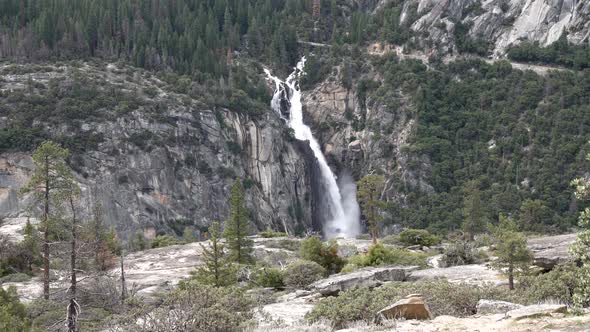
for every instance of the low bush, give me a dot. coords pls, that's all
(287, 244)
(379, 254)
(302, 273)
(461, 253)
(391, 239)
(269, 277)
(362, 304)
(269, 233)
(421, 237)
(164, 241)
(325, 254)
(194, 307)
(556, 285)
(13, 314)
(15, 277)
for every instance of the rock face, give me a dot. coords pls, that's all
(549, 251)
(503, 23)
(167, 169)
(333, 110)
(476, 274)
(492, 307)
(539, 310)
(412, 307)
(367, 277)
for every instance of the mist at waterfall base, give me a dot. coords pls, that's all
(343, 213)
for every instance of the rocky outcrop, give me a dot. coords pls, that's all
(501, 22)
(476, 274)
(549, 251)
(364, 136)
(411, 307)
(170, 163)
(368, 277)
(492, 307)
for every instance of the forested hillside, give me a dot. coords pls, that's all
(189, 36)
(294, 165)
(489, 131)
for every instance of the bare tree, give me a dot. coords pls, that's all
(73, 309)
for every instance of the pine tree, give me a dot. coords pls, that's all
(217, 270)
(473, 215)
(513, 254)
(236, 227)
(30, 246)
(369, 196)
(49, 184)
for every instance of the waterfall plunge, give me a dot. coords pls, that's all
(344, 220)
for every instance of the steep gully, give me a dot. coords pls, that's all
(339, 208)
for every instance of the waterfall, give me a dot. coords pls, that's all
(344, 213)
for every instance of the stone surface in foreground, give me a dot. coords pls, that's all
(492, 307)
(539, 310)
(476, 274)
(289, 310)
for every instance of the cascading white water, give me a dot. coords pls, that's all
(343, 208)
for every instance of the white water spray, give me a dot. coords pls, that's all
(343, 207)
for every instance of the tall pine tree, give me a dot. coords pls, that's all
(236, 227)
(50, 182)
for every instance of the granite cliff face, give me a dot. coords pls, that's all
(173, 168)
(501, 22)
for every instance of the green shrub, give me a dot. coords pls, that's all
(378, 254)
(269, 277)
(556, 285)
(164, 241)
(362, 304)
(421, 237)
(150, 91)
(302, 273)
(483, 240)
(195, 307)
(461, 253)
(269, 233)
(13, 314)
(15, 277)
(391, 239)
(325, 254)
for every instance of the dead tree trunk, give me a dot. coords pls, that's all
(46, 232)
(123, 286)
(73, 309)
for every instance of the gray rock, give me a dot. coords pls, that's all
(367, 277)
(543, 21)
(492, 307)
(290, 309)
(549, 251)
(538, 310)
(476, 274)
